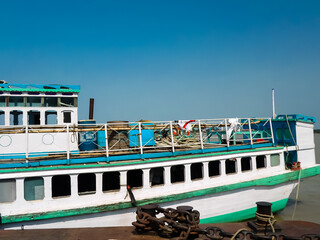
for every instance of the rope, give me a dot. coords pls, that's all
(267, 219)
(297, 195)
(237, 232)
(291, 133)
(74, 134)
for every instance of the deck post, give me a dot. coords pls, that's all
(140, 139)
(200, 134)
(251, 140)
(271, 130)
(27, 143)
(172, 141)
(227, 137)
(106, 137)
(68, 143)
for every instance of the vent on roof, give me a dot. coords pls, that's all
(48, 87)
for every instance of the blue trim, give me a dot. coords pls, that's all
(128, 157)
(32, 154)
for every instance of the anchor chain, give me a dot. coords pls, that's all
(183, 223)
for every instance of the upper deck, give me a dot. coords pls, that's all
(33, 145)
(22, 104)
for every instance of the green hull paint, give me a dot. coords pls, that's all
(244, 214)
(269, 181)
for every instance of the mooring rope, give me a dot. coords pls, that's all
(237, 232)
(266, 219)
(297, 196)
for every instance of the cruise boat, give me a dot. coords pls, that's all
(59, 172)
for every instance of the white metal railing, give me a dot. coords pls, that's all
(119, 138)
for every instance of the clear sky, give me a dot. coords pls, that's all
(168, 60)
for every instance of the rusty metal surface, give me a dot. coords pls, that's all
(289, 228)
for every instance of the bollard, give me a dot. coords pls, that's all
(265, 222)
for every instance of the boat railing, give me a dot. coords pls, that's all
(127, 138)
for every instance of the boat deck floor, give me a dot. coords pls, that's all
(102, 153)
(288, 228)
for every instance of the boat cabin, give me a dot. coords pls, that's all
(22, 104)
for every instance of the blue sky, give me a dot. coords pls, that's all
(168, 60)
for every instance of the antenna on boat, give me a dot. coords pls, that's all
(273, 107)
(91, 106)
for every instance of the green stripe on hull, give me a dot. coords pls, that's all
(268, 181)
(244, 214)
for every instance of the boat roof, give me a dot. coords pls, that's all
(6, 87)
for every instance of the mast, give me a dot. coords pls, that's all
(273, 107)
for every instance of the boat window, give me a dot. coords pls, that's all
(275, 160)
(67, 102)
(196, 171)
(16, 117)
(51, 117)
(50, 102)
(2, 101)
(214, 168)
(261, 161)
(34, 118)
(67, 117)
(110, 181)
(16, 102)
(33, 188)
(86, 183)
(33, 101)
(156, 176)
(245, 163)
(7, 190)
(231, 165)
(2, 119)
(134, 178)
(177, 173)
(61, 186)
(283, 134)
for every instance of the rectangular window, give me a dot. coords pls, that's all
(16, 117)
(287, 134)
(7, 190)
(2, 101)
(16, 102)
(177, 173)
(110, 181)
(261, 161)
(275, 160)
(67, 102)
(86, 183)
(134, 178)
(231, 166)
(67, 117)
(61, 186)
(214, 168)
(2, 119)
(33, 188)
(50, 102)
(33, 101)
(34, 118)
(156, 176)
(51, 117)
(196, 171)
(245, 163)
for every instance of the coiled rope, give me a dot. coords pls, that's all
(268, 220)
